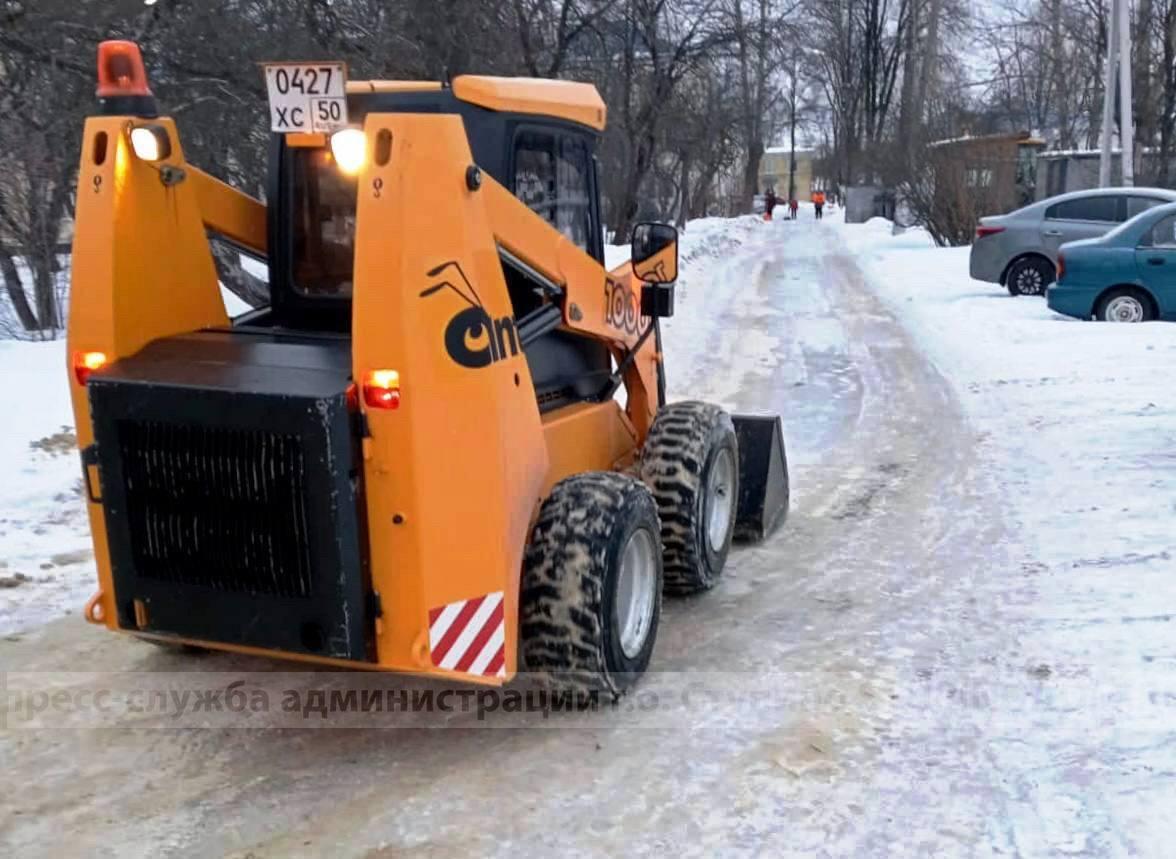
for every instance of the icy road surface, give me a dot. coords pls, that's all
(930, 659)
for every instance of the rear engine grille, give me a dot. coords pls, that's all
(221, 508)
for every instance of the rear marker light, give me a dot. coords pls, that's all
(1061, 267)
(981, 232)
(85, 363)
(381, 389)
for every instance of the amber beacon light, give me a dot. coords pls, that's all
(122, 80)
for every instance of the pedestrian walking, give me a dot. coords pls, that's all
(770, 202)
(819, 203)
(793, 206)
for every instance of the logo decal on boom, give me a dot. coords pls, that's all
(472, 338)
(621, 309)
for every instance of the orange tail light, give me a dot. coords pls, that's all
(381, 389)
(120, 70)
(85, 363)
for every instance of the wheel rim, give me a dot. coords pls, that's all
(720, 500)
(636, 591)
(1124, 308)
(1029, 281)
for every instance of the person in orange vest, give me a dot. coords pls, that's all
(819, 203)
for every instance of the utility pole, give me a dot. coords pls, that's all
(1118, 58)
(1126, 112)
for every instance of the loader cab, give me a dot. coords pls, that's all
(547, 161)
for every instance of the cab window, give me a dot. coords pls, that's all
(324, 226)
(551, 175)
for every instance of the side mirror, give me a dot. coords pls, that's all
(655, 253)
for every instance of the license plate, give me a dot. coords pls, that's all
(306, 97)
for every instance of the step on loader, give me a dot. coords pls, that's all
(415, 457)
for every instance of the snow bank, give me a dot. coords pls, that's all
(705, 247)
(46, 567)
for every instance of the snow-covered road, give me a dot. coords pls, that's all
(955, 647)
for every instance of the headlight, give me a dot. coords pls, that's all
(349, 147)
(150, 142)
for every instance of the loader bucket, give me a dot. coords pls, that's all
(763, 476)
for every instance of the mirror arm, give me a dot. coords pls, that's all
(615, 380)
(661, 365)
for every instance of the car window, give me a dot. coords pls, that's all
(551, 176)
(1102, 208)
(1163, 234)
(1139, 205)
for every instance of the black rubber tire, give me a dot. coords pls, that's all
(1027, 265)
(1149, 310)
(568, 626)
(676, 463)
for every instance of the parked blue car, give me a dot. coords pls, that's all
(1127, 275)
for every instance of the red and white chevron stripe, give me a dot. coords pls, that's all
(470, 636)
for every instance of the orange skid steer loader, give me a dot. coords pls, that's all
(414, 458)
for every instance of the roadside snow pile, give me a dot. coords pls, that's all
(46, 567)
(46, 563)
(706, 246)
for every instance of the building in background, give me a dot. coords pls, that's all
(1000, 169)
(1060, 172)
(774, 167)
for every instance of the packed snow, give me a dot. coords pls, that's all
(1077, 426)
(1081, 412)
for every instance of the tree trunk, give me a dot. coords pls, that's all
(16, 293)
(1168, 113)
(755, 154)
(1143, 80)
(930, 61)
(683, 192)
(792, 144)
(907, 112)
(44, 268)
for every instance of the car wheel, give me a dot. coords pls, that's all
(1124, 305)
(1029, 276)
